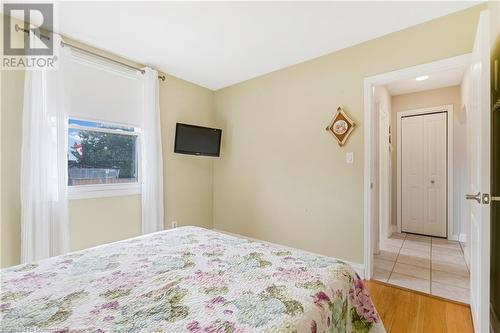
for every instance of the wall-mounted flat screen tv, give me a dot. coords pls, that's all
(197, 140)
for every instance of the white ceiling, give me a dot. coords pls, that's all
(217, 44)
(447, 78)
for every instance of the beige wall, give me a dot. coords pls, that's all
(188, 185)
(425, 99)
(102, 220)
(12, 83)
(281, 177)
(11, 119)
(187, 180)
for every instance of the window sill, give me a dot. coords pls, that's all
(102, 191)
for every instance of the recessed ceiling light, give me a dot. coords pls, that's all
(422, 78)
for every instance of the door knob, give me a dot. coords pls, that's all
(432, 181)
(476, 197)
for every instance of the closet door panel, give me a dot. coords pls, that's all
(412, 164)
(435, 174)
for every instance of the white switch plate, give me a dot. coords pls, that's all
(174, 224)
(349, 157)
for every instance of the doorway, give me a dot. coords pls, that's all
(476, 198)
(418, 142)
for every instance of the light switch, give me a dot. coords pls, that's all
(349, 157)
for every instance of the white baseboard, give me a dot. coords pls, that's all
(392, 230)
(358, 268)
(462, 238)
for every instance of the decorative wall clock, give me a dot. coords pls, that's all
(341, 126)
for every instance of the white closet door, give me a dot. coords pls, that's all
(435, 180)
(424, 183)
(412, 174)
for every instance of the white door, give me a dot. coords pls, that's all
(478, 135)
(423, 174)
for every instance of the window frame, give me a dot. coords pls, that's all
(105, 190)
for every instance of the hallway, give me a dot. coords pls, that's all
(427, 264)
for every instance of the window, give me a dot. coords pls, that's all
(102, 159)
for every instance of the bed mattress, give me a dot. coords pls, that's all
(187, 279)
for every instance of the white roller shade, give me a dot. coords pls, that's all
(100, 90)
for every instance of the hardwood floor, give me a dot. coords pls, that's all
(406, 311)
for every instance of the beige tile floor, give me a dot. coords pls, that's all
(431, 265)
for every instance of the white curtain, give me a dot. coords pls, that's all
(151, 155)
(44, 201)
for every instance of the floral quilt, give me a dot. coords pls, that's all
(186, 280)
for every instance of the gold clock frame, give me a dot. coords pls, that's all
(339, 116)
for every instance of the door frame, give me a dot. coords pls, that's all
(385, 223)
(449, 162)
(369, 107)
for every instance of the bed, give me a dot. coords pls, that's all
(187, 279)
